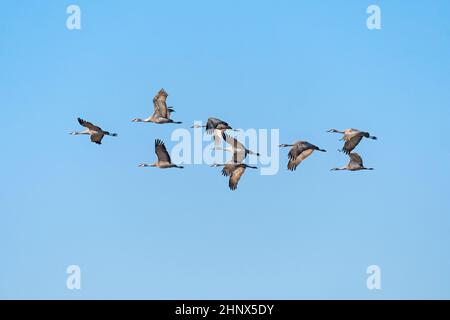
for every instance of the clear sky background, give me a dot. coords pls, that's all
(300, 66)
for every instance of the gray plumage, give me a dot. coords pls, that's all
(299, 152)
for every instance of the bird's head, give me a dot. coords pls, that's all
(136, 120)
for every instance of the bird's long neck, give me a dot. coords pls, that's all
(217, 165)
(223, 149)
(148, 165)
(76, 133)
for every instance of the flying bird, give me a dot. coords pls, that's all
(355, 164)
(95, 132)
(234, 171)
(238, 150)
(161, 113)
(299, 152)
(216, 127)
(164, 161)
(352, 138)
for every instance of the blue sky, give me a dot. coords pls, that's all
(300, 66)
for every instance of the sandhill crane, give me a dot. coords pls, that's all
(239, 151)
(216, 127)
(234, 171)
(352, 138)
(299, 152)
(95, 132)
(355, 164)
(164, 161)
(161, 113)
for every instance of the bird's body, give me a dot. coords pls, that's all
(216, 127)
(163, 156)
(234, 171)
(352, 138)
(238, 150)
(355, 164)
(94, 131)
(299, 152)
(161, 113)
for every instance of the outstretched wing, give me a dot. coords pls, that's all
(239, 156)
(215, 123)
(356, 158)
(88, 125)
(239, 151)
(228, 169)
(97, 138)
(212, 123)
(352, 142)
(294, 162)
(233, 142)
(161, 151)
(298, 148)
(160, 105)
(235, 177)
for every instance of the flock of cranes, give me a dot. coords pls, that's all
(235, 168)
